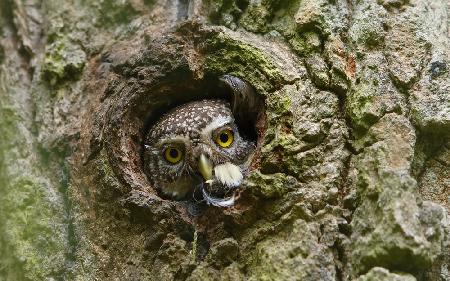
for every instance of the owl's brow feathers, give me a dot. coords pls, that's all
(217, 123)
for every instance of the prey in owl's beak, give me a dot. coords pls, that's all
(226, 175)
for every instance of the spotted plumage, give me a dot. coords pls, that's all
(198, 146)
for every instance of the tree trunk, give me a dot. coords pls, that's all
(351, 178)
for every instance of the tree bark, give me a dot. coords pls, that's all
(350, 181)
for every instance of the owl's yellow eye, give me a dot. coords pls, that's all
(225, 138)
(173, 155)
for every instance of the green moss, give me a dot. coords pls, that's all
(205, 273)
(313, 15)
(223, 252)
(31, 229)
(8, 120)
(382, 274)
(387, 229)
(227, 55)
(223, 12)
(255, 18)
(278, 112)
(390, 236)
(300, 26)
(318, 71)
(116, 11)
(368, 31)
(289, 256)
(32, 220)
(360, 107)
(63, 59)
(271, 186)
(279, 104)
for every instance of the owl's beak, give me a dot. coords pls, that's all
(205, 167)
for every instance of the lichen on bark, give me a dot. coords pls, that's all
(350, 181)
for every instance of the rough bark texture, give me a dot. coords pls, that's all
(351, 182)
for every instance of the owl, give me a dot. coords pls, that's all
(198, 147)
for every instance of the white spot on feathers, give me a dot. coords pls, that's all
(228, 174)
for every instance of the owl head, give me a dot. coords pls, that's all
(197, 146)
